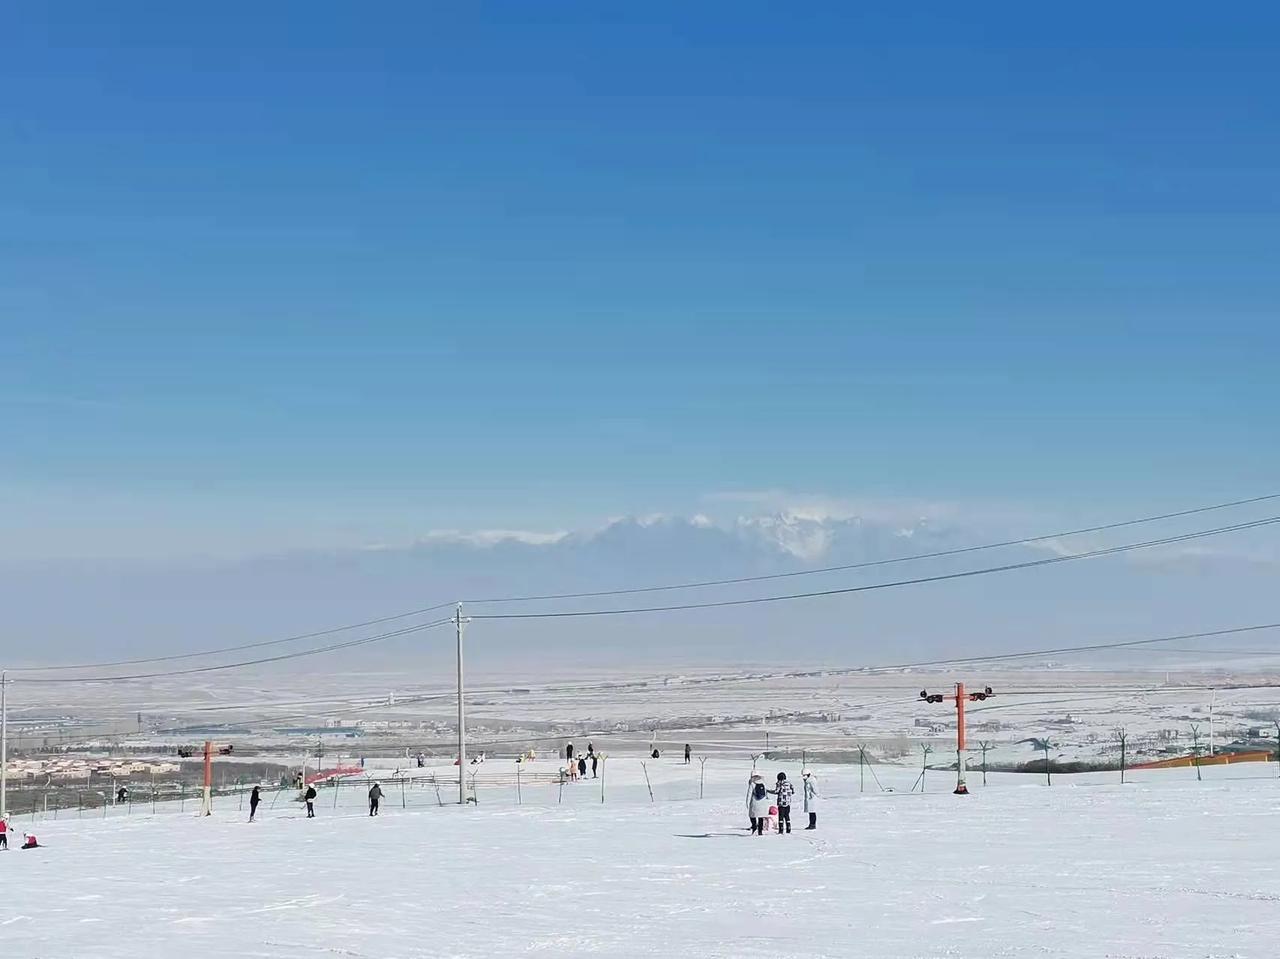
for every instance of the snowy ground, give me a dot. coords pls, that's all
(1166, 867)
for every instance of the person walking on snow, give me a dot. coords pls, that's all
(594, 762)
(310, 798)
(375, 796)
(254, 799)
(757, 804)
(811, 799)
(784, 792)
(688, 754)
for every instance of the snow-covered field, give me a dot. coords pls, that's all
(1166, 867)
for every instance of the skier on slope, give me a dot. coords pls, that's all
(309, 797)
(757, 804)
(254, 799)
(375, 796)
(811, 799)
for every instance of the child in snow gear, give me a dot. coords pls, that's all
(122, 795)
(568, 751)
(811, 799)
(375, 796)
(310, 798)
(784, 792)
(582, 766)
(29, 842)
(757, 805)
(654, 755)
(4, 834)
(254, 799)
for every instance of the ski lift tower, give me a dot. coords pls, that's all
(960, 697)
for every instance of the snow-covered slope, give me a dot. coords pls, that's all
(1164, 868)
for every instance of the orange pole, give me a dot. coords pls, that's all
(961, 696)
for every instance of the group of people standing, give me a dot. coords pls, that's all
(577, 768)
(769, 813)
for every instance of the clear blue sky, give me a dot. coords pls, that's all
(272, 268)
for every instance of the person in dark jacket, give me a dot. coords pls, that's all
(254, 799)
(688, 754)
(595, 760)
(375, 797)
(310, 798)
(568, 751)
(784, 792)
(582, 766)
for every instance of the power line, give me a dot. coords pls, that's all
(350, 644)
(996, 657)
(646, 589)
(233, 649)
(1029, 564)
(882, 562)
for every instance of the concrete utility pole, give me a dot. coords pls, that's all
(960, 697)
(4, 747)
(459, 622)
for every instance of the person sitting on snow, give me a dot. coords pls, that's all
(29, 842)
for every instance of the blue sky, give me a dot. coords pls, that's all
(307, 274)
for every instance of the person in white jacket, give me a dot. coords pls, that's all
(758, 803)
(811, 799)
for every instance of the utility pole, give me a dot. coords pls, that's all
(960, 697)
(1213, 695)
(206, 796)
(4, 746)
(459, 622)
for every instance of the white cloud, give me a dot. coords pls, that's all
(492, 537)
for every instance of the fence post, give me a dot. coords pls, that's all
(1123, 737)
(1195, 750)
(602, 765)
(984, 745)
(862, 766)
(403, 801)
(702, 776)
(519, 801)
(645, 767)
(336, 784)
